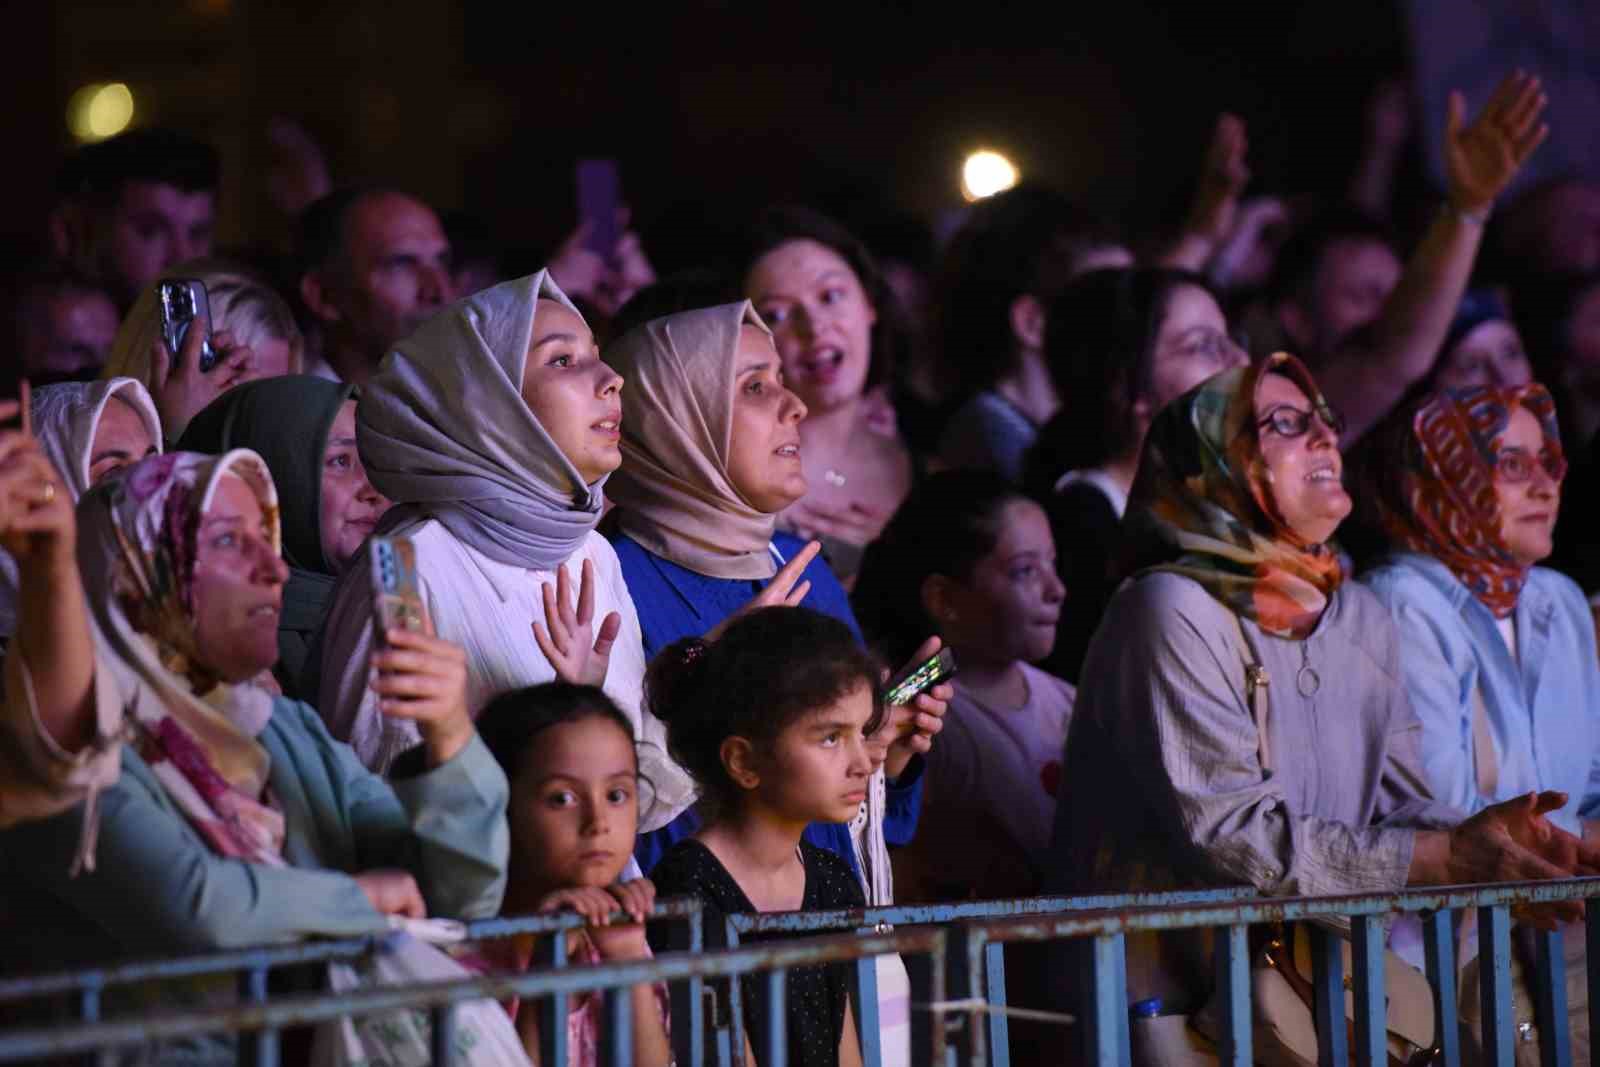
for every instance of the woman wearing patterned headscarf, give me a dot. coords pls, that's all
(230, 815)
(1497, 654)
(1240, 718)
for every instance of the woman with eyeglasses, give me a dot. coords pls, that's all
(1241, 717)
(1120, 344)
(1496, 653)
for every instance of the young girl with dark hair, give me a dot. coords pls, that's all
(568, 752)
(772, 722)
(987, 586)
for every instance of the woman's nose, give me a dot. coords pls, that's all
(610, 382)
(794, 409)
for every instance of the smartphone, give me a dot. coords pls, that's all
(918, 678)
(183, 301)
(396, 596)
(599, 200)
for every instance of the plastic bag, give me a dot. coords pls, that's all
(485, 1036)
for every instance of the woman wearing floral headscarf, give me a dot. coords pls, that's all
(1496, 654)
(493, 428)
(228, 814)
(1252, 694)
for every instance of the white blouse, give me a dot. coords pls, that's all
(489, 609)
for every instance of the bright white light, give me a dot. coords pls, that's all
(97, 111)
(986, 173)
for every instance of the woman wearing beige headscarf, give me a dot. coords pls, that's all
(252, 330)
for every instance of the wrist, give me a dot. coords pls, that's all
(1473, 214)
(445, 740)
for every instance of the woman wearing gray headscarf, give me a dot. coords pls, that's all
(493, 428)
(87, 430)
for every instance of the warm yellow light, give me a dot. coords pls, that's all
(98, 111)
(986, 173)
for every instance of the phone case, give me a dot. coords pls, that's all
(183, 301)
(396, 597)
(920, 678)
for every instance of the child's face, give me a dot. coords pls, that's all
(1009, 607)
(575, 805)
(819, 765)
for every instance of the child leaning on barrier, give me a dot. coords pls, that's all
(568, 752)
(772, 721)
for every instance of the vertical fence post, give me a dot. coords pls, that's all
(994, 987)
(1108, 1018)
(1327, 966)
(776, 1052)
(1371, 1003)
(927, 987)
(617, 1045)
(688, 999)
(1494, 973)
(1550, 1002)
(443, 1035)
(1439, 939)
(1592, 943)
(257, 1048)
(868, 1025)
(736, 1037)
(1233, 995)
(552, 952)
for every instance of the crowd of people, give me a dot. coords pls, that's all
(1248, 540)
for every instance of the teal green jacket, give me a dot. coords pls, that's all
(158, 890)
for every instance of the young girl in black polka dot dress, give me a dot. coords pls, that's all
(771, 720)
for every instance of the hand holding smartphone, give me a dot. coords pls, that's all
(182, 302)
(918, 678)
(396, 596)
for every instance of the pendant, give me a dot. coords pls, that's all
(834, 478)
(1307, 681)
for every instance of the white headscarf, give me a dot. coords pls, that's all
(444, 433)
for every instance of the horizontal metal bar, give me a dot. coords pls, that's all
(789, 922)
(309, 1009)
(1282, 909)
(269, 957)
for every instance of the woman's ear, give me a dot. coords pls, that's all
(938, 600)
(738, 760)
(1027, 322)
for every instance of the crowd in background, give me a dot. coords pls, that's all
(1259, 545)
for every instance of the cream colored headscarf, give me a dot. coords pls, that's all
(67, 416)
(673, 492)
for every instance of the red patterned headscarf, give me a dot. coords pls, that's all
(1446, 506)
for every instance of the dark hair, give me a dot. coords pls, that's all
(792, 222)
(149, 155)
(1300, 260)
(769, 669)
(684, 290)
(965, 508)
(1027, 240)
(509, 723)
(1100, 340)
(324, 226)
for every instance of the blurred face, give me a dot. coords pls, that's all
(351, 508)
(154, 226)
(1490, 354)
(574, 806)
(274, 357)
(1305, 470)
(68, 337)
(821, 320)
(1191, 346)
(764, 446)
(238, 585)
(120, 440)
(396, 274)
(574, 396)
(818, 768)
(1526, 493)
(1008, 608)
(1353, 280)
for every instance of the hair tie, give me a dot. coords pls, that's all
(693, 650)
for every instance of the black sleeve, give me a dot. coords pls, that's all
(1087, 535)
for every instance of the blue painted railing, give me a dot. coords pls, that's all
(954, 947)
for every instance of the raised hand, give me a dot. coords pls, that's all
(182, 389)
(1223, 176)
(787, 588)
(1481, 159)
(567, 639)
(424, 678)
(36, 517)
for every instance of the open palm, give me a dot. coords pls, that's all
(1481, 159)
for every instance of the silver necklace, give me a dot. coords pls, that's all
(1306, 678)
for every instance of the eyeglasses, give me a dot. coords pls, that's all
(1515, 466)
(1290, 422)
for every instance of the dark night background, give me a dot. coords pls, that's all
(712, 108)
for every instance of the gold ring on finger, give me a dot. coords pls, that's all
(49, 492)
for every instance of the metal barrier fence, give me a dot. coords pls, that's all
(954, 947)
